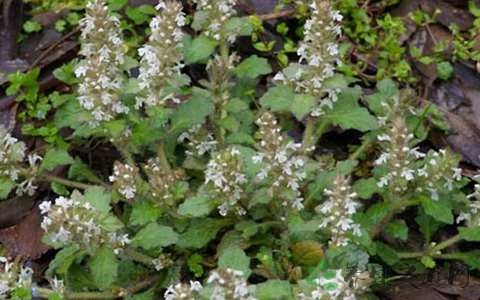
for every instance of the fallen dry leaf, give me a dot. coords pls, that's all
(24, 239)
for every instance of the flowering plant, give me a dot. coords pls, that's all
(214, 189)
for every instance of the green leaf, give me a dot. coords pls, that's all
(198, 50)
(200, 232)
(439, 210)
(387, 254)
(329, 275)
(63, 260)
(195, 264)
(81, 172)
(397, 229)
(104, 268)
(365, 187)
(32, 26)
(302, 105)
(339, 257)
(6, 186)
(116, 4)
(144, 212)
(99, 198)
(274, 290)
(192, 112)
(66, 74)
(235, 258)
(198, 206)
(348, 114)
(427, 224)
(253, 67)
(471, 234)
(278, 99)
(54, 158)
(140, 14)
(241, 26)
(444, 70)
(154, 236)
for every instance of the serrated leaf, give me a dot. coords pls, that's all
(155, 236)
(54, 158)
(143, 212)
(366, 187)
(278, 99)
(81, 172)
(253, 67)
(274, 289)
(104, 268)
(397, 229)
(200, 232)
(348, 114)
(427, 224)
(6, 186)
(387, 254)
(439, 210)
(198, 206)
(63, 260)
(192, 112)
(471, 234)
(99, 198)
(235, 258)
(302, 105)
(198, 49)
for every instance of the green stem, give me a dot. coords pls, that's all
(410, 254)
(44, 293)
(66, 182)
(445, 244)
(366, 144)
(163, 157)
(396, 208)
(313, 132)
(138, 257)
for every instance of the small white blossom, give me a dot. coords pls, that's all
(124, 180)
(100, 71)
(161, 56)
(338, 210)
(217, 12)
(75, 220)
(225, 180)
(282, 168)
(229, 284)
(183, 291)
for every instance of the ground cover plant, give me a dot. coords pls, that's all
(187, 152)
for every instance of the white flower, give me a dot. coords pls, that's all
(161, 56)
(100, 71)
(338, 210)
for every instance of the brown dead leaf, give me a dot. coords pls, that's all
(24, 239)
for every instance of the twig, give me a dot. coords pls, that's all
(53, 46)
(277, 15)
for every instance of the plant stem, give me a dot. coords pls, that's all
(445, 244)
(66, 182)
(367, 143)
(410, 254)
(44, 293)
(163, 157)
(313, 132)
(138, 257)
(395, 209)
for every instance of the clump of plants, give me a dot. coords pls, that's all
(215, 190)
